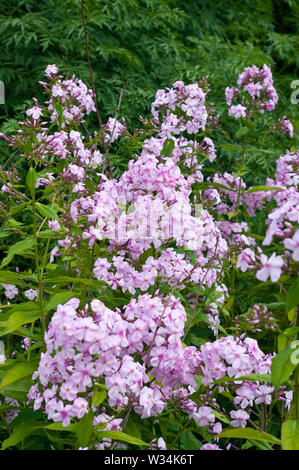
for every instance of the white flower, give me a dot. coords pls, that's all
(31, 294)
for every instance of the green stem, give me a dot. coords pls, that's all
(38, 272)
(297, 392)
(30, 342)
(296, 372)
(45, 256)
(179, 434)
(242, 168)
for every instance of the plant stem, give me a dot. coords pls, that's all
(179, 434)
(38, 272)
(296, 372)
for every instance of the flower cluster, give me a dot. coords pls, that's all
(96, 347)
(114, 129)
(70, 99)
(258, 84)
(284, 126)
(180, 108)
(84, 348)
(261, 317)
(265, 267)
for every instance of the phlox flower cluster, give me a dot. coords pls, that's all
(237, 357)
(147, 175)
(180, 108)
(187, 153)
(264, 266)
(97, 346)
(284, 126)
(158, 196)
(282, 222)
(286, 215)
(232, 357)
(70, 97)
(261, 317)
(114, 129)
(84, 348)
(259, 96)
(225, 198)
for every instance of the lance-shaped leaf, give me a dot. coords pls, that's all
(290, 434)
(249, 433)
(17, 372)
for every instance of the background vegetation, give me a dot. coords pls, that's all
(145, 45)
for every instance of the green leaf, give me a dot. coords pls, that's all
(234, 148)
(5, 233)
(291, 314)
(256, 189)
(22, 430)
(232, 214)
(276, 305)
(258, 444)
(220, 416)
(242, 131)
(19, 433)
(98, 397)
(249, 377)
(60, 279)
(142, 258)
(282, 367)
(84, 429)
(68, 279)
(290, 434)
(9, 276)
(133, 427)
(62, 441)
(48, 234)
(19, 248)
(189, 441)
(254, 235)
(293, 296)
(18, 390)
(31, 180)
(46, 211)
(27, 147)
(168, 148)
(249, 433)
(59, 298)
(196, 396)
(17, 372)
(59, 427)
(25, 332)
(281, 342)
(283, 337)
(210, 184)
(121, 436)
(22, 314)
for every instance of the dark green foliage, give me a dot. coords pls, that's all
(146, 45)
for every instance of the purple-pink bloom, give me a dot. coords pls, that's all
(271, 267)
